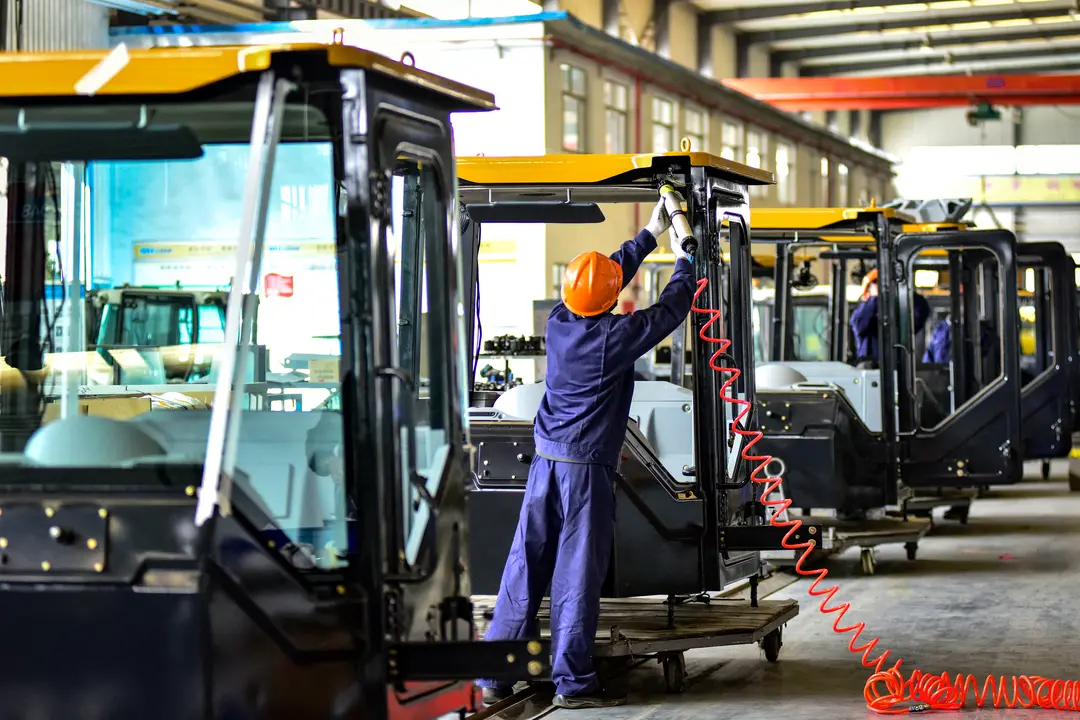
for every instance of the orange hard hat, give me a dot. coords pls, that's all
(591, 284)
(868, 279)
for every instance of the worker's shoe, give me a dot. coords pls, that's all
(603, 699)
(496, 695)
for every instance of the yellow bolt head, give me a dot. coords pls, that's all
(91, 543)
(98, 567)
(45, 566)
(534, 668)
(103, 513)
(49, 512)
(534, 647)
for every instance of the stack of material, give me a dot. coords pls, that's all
(177, 401)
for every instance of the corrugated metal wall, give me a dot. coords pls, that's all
(56, 25)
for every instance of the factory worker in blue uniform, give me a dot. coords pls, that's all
(567, 523)
(864, 319)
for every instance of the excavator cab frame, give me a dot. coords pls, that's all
(188, 525)
(1047, 397)
(664, 506)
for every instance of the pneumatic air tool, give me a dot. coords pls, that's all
(679, 224)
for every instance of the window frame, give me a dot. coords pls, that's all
(761, 150)
(670, 126)
(786, 188)
(613, 113)
(572, 97)
(731, 150)
(703, 135)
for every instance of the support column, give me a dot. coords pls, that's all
(742, 56)
(704, 47)
(662, 27)
(610, 16)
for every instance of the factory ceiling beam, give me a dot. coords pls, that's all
(1046, 32)
(915, 20)
(744, 14)
(936, 57)
(909, 92)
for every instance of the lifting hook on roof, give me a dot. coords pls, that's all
(407, 58)
(339, 36)
(684, 145)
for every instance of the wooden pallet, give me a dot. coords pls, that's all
(639, 626)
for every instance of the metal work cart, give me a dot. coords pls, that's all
(837, 536)
(666, 628)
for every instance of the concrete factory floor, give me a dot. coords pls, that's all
(1000, 595)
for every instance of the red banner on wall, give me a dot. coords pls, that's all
(279, 285)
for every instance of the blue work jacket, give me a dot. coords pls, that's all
(939, 349)
(865, 326)
(590, 364)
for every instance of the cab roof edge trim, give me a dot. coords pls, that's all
(174, 71)
(588, 169)
(815, 218)
(303, 25)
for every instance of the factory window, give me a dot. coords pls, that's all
(573, 103)
(695, 121)
(211, 324)
(842, 198)
(755, 151)
(663, 124)
(616, 110)
(731, 141)
(823, 200)
(785, 173)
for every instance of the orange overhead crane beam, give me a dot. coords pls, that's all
(903, 93)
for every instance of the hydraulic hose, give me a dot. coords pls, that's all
(887, 691)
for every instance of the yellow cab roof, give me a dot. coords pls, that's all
(814, 218)
(173, 71)
(592, 169)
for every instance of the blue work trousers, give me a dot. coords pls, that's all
(564, 536)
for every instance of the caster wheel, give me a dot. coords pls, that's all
(866, 561)
(771, 644)
(674, 672)
(1045, 470)
(912, 549)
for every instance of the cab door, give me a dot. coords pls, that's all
(1047, 376)
(980, 442)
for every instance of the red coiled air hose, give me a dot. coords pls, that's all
(887, 691)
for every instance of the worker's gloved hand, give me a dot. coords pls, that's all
(676, 247)
(659, 222)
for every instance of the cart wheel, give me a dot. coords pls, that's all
(674, 671)
(912, 549)
(1045, 470)
(866, 559)
(771, 644)
(962, 516)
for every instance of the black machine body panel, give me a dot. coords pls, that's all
(123, 576)
(658, 520)
(825, 453)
